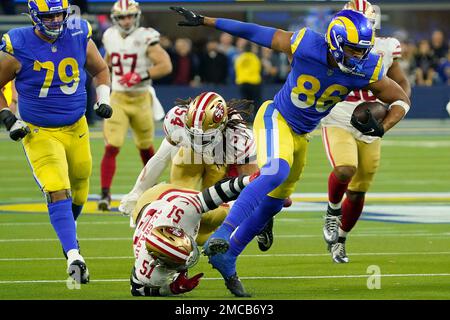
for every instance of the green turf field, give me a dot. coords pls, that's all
(413, 258)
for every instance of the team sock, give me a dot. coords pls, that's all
(272, 175)
(61, 218)
(108, 166)
(336, 190)
(146, 154)
(76, 210)
(351, 210)
(253, 225)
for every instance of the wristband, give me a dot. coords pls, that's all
(402, 104)
(103, 92)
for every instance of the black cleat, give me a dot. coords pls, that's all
(79, 271)
(104, 204)
(265, 237)
(235, 286)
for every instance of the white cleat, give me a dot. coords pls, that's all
(338, 252)
(331, 226)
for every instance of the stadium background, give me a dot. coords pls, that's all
(404, 229)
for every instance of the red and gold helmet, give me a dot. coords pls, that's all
(206, 119)
(365, 8)
(170, 245)
(123, 8)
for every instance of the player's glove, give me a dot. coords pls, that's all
(183, 284)
(103, 110)
(17, 128)
(192, 19)
(133, 78)
(128, 203)
(370, 128)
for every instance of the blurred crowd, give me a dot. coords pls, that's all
(230, 60)
(426, 62)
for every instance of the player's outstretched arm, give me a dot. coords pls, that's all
(388, 91)
(275, 39)
(149, 176)
(99, 70)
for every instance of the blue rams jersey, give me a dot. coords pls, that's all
(312, 87)
(51, 81)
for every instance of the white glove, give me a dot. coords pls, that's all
(128, 203)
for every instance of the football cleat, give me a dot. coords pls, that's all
(104, 204)
(79, 272)
(265, 237)
(65, 254)
(338, 252)
(214, 246)
(226, 265)
(218, 242)
(235, 286)
(331, 225)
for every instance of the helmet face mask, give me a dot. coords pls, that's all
(122, 10)
(350, 37)
(206, 120)
(49, 16)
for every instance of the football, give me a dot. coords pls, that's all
(378, 110)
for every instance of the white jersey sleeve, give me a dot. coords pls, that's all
(240, 145)
(174, 122)
(340, 115)
(129, 54)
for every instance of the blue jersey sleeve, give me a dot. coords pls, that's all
(296, 39)
(375, 70)
(6, 44)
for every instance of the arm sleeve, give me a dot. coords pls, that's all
(154, 167)
(253, 32)
(223, 191)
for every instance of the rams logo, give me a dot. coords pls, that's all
(219, 113)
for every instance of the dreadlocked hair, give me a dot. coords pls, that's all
(240, 109)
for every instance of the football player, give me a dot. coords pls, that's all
(168, 220)
(355, 157)
(49, 62)
(325, 69)
(135, 58)
(206, 139)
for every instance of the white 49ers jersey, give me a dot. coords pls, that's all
(239, 146)
(129, 54)
(176, 208)
(340, 115)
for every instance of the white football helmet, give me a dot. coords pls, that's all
(172, 247)
(365, 8)
(206, 119)
(123, 8)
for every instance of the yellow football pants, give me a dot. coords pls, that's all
(60, 158)
(275, 139)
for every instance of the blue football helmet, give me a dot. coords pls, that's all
(39, 9)
(353, 30)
